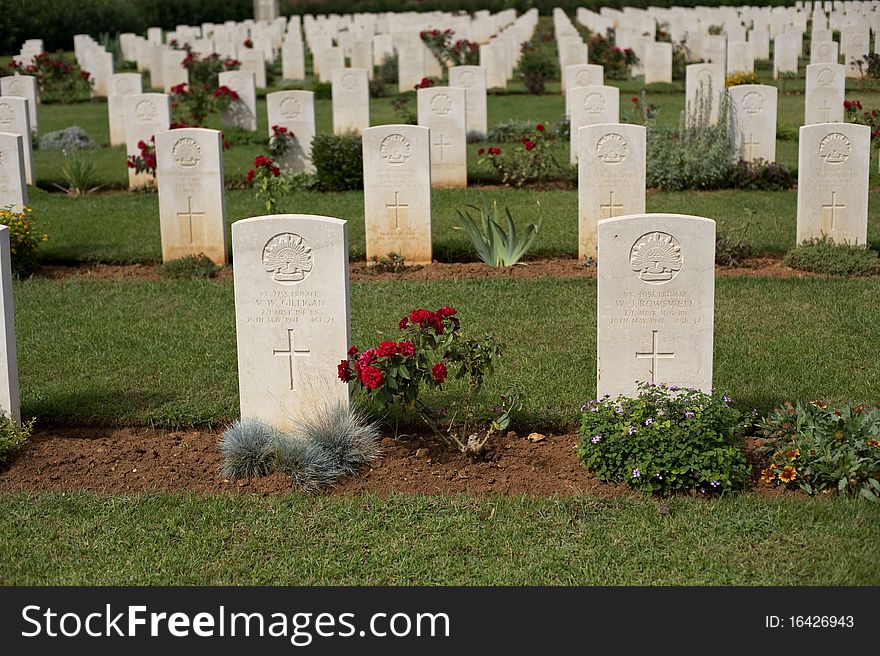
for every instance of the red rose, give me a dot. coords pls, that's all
(437, 323)
(352, 351)
(367, 358)
(420, 316)
(481, 151)
(438, 371)
(446, 311)
(634, 99)
(250, 175)
(404, 323)
(406, 349)
(371, 377)
(494, 150)
(142, 145)
(387, 349)
(540, 127)
(529, 144)
(343, 371)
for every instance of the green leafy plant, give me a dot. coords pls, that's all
(536, 66)
(391, 263)
(532, 161)
(23, 239)
(818, 447)
(617, 62)
(758, 175)
(281, 141)
(401, 106)
(59, 78)
(79, 174)
(665, 440)
(338, 160)
(394, 373)
(869, 65)
(494, 245)
(741, 77)
(512, 130)
(192, 266)
(731, 251)
(268, 182)
(13, 437)
(196, 102)
(823, 255)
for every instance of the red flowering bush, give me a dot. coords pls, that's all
(618, 62)
(425, 83)
(532, 162)
(393, 373)
(268, 182)
(146, 161)
(197, 101)
(871, 118)
(448, 50)
(281, 141)
(59, 80)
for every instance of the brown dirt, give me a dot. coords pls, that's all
(130, 461)
(765, 266)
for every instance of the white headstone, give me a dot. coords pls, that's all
(242, 113)
(13, 189)
(252, 61)
(351, 100)
(23, 86)
(15, 119)
(753, 121)
(473, 80)
(825, 93)
(582, 75)
(9, 391)
(192, 204)
(493, 59)
(294, 110)
(291, 315)
(331, 59)
(293, 63)
(704, 85)
(120, 85)
(657, 63)
(611, 177)
(589, 106)
(823, 52)
(442, 109)
(146, 114)
(656, 302)
(397, 192)
(410, 66)
(833, 163)
(173, 72)
(739, 57)
(785, 55)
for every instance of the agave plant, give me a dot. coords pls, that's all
(494, 246)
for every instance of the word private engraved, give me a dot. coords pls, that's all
(288, 257)
(395, 149)
(656, 257)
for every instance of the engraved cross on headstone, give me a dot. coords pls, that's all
(833, 206)
(825, 109)
(610, 205)
(188, 217)
(750, 143)
(654, 355)
(397, 207)
(441, 145)
(290, 354)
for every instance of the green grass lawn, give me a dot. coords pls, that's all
(163, 353)
(185, 539)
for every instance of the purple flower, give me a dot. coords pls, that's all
(618, 410)
(702, 490)
(583, 407)
(632, 429)
(688, 414)
(726, 400)
(636, 473)
(596, 439)
(648, 421)
(714, 483)
(674, 388)
(658, 476)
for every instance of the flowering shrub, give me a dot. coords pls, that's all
(618, 62)
(741, 77)
(23, 239)
(536, 65)
(819, 448)
(197, 102)
(854, 113)
(206, 70)
(146, 161)
(641, 111)
(280, 141)
(394, 373)
(270, 185)
(664, 440)
(58, 80)
(532, 161)
(450, 51)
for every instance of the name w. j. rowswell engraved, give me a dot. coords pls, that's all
(288, 257)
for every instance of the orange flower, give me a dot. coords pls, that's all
(767, 476)
(792, 454)
(873, 442)
(788, 474)
(838, 435)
